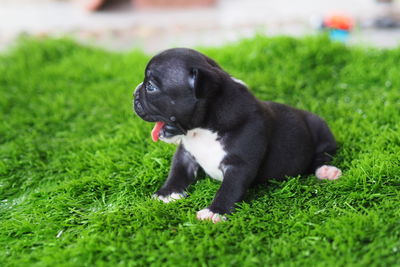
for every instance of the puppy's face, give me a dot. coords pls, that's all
(170, 93)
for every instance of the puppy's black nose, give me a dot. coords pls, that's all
(138, 107)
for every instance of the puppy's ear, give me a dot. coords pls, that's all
(205, 83)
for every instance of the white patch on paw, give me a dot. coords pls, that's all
(328, 172)
(206, 214)
(169, 198)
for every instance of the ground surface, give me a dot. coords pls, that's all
(78, 168)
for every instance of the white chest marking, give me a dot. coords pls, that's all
(206, 149)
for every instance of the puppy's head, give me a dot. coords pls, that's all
(177, 86)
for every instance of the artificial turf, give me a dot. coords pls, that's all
(78, 168)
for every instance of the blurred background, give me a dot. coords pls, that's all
(154, 25)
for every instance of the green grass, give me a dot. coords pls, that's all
(74, 158)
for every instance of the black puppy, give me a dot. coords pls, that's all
(221, 127)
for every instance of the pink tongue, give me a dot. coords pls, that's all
(155, 133)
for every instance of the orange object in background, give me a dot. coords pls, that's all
(339, 22)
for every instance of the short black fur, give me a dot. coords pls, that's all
(262, 140)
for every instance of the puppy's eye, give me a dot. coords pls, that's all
(150, 87)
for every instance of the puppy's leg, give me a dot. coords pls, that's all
(325, 148)
(240, 167)
(237, 179)
(182, 173)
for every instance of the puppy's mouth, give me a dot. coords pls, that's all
(155, 133)
(166, 130)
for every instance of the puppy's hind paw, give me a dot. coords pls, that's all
(206, 214)
(328, 172)
(169, 198)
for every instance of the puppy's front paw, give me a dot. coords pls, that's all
(169, 198)
(206, 214)
(328, 172)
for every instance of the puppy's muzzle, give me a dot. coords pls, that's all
(142, 108)
(172, 127)
(138, 107)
